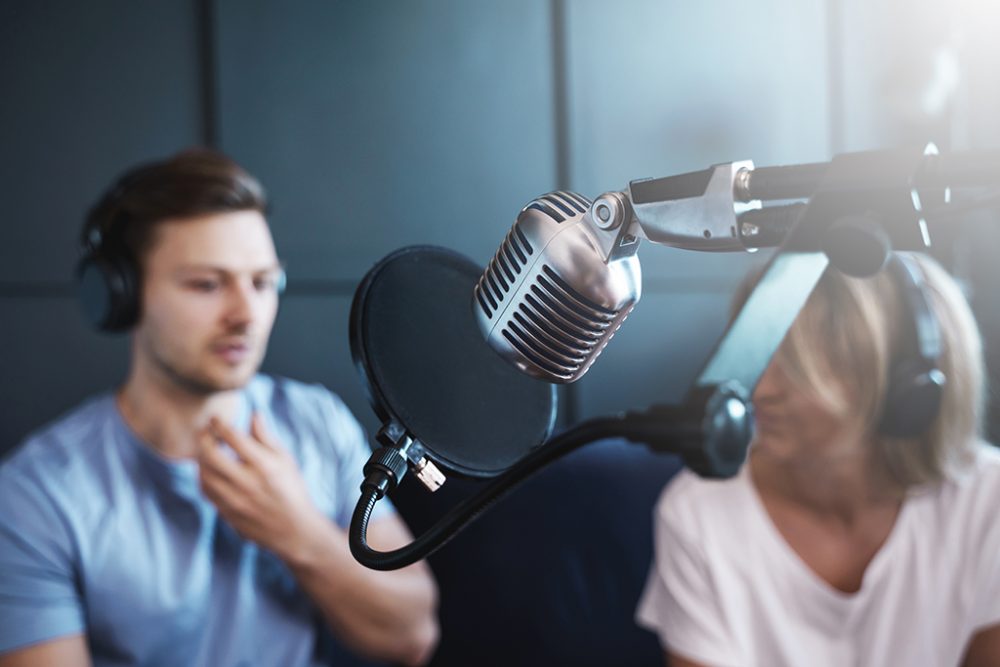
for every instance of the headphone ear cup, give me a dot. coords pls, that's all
(912, 401)
(107, 290)
(281, 282)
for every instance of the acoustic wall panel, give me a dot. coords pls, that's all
(88, 89)
(50, 361)
(379, 125)
(661, 88)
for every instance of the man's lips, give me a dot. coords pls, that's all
(232, 353)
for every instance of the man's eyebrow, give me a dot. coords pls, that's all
(212, 268)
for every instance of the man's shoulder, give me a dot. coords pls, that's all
(68, 438)
(54, 466)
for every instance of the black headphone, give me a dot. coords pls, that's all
(108, 276)
(916, 384)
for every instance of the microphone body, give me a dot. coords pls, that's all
(551, 298)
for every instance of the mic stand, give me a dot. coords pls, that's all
(711, 431)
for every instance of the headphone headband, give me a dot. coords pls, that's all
(909, 280)
(916, 383)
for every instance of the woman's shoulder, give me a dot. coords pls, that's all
(981, 483)
(690, 502)
(988, 458)
(973, 494)
(981, 477)
(687, 486)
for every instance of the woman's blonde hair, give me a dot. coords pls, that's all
(847, 336)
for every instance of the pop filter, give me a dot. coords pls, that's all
(427, 369)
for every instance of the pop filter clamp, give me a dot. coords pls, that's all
(857, 208)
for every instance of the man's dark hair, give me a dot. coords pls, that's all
(192, 183)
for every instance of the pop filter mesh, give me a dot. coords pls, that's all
(426, 365)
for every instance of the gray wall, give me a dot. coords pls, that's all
(381, 124)
(87, 88)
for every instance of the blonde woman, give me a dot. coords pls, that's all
(837, 544)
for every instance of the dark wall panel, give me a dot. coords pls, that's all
(87, 89)
(660, 87)
(379, 125)
(50, 361)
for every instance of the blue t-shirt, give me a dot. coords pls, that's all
(100, 534)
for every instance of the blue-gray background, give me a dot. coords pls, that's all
(380, 124)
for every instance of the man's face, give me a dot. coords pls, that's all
(208, 300)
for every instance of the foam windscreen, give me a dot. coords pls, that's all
(426, 366)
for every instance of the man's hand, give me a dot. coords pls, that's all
(388, 616)
(260, 492)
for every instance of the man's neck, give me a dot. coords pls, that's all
(167, 417)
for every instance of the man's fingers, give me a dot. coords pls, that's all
(226, 496)
(247, 448)
(262, 435)
(212, 457)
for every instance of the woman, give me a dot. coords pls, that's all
(837, 544)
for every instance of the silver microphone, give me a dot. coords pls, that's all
(563, 281)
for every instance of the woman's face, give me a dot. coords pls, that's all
(790, 423)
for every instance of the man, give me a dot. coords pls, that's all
(198, 515)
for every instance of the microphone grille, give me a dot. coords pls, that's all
(503, 270)
(558, 329)
(561, 205)
(546, 301)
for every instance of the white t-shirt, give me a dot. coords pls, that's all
(726, 589)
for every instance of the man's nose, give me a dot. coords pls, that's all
(240, 307)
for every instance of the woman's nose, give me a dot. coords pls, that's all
(771, 386)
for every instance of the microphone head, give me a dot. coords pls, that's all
(548, 302)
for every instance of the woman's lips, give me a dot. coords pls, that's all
(767, 420)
